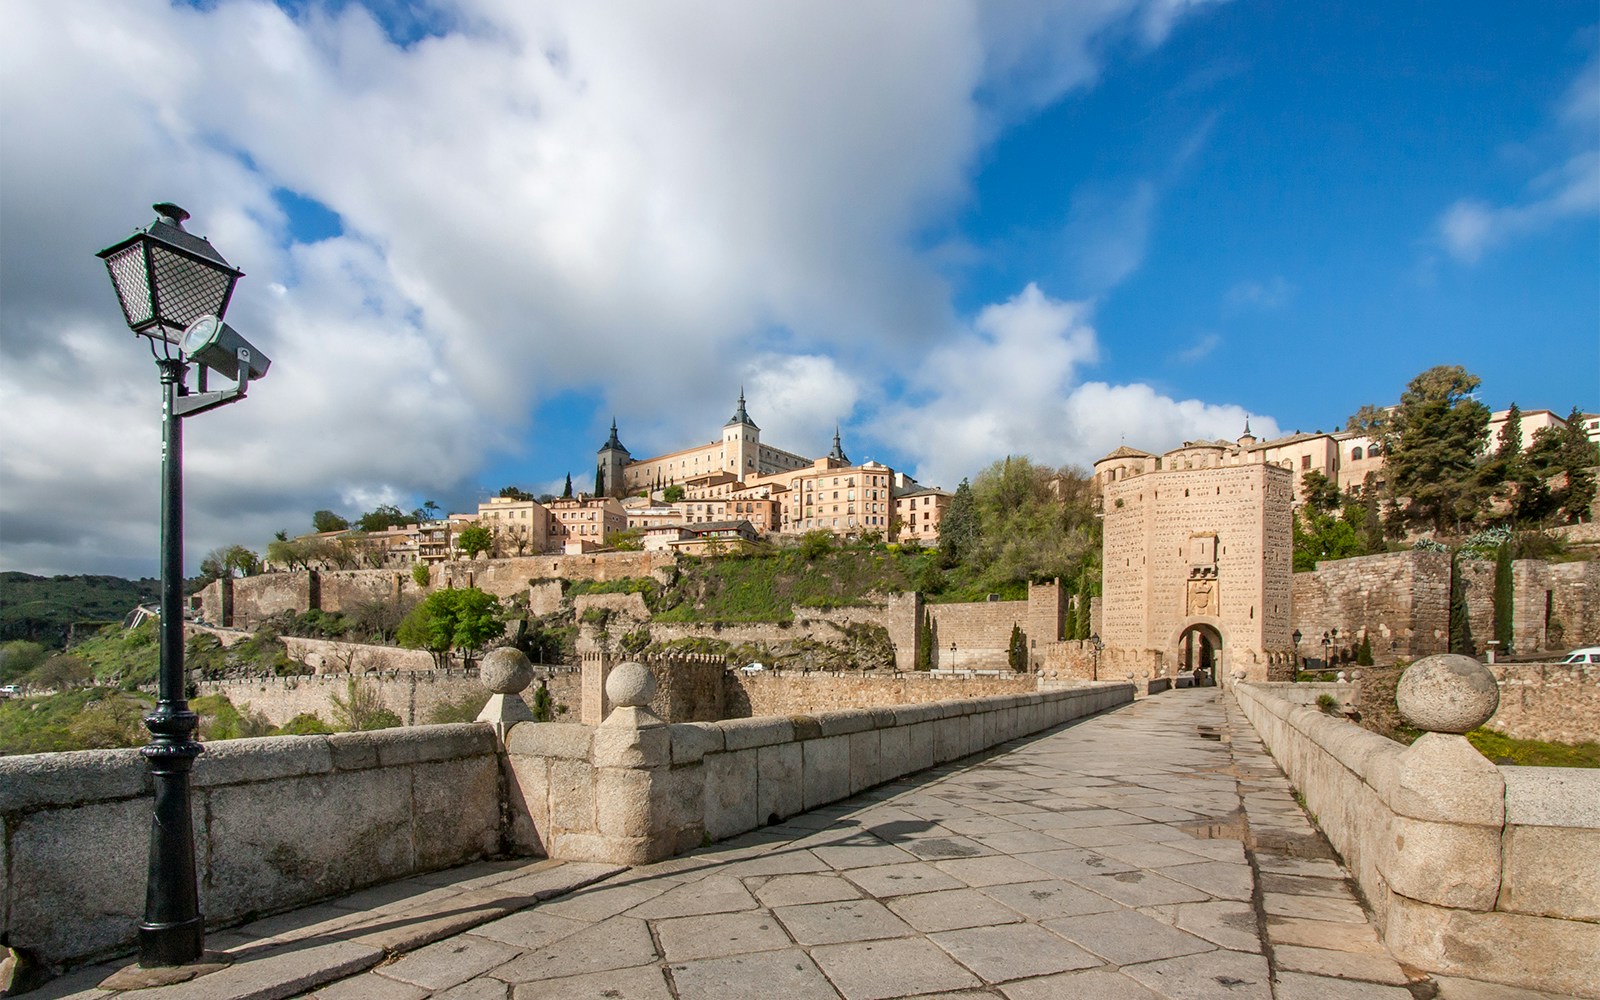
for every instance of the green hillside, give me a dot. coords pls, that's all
(43, 608)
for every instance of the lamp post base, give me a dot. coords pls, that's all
(171, 944)
(137, 977)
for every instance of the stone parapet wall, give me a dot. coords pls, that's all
(1471, 870)
(411, 696)
(787, 693)
(1548, 701)
(278, 823)
(329, 656)
(631, 795)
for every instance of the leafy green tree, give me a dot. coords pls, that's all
(327, 520)
(1372, 420)
(304, 724)
(420, 574)
(113, 721)
(815, 544)
(299, 553)
(513, 493)
(474, 540)
(673, 494)
(464, 619)
(362, 709)
(1035, 523)
(382, 518)
(18, 657)
(61, 671)
(1433, 444)
(959, 530)
(542, 707)
(1565, 458)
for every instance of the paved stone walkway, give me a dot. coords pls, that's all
(1154, 851)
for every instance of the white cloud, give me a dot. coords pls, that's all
(1013, 386)
(1570, 188)
(1273, 293)
(1200, 349)
(539, 198)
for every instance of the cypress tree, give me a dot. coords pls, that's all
(1502, 596)
(1460, 623)
(566, 491)
(1017, 651)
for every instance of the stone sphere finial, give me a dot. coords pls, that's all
(505, 670)
(1447, 693)
(631, 685)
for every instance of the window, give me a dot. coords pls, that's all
(1355, 454)
(1305, 461)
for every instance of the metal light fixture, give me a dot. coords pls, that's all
(174, 288)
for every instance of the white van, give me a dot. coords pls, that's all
(1588, 654)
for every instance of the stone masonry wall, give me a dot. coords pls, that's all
(1548, 701)
(411, 695)
(980, 633)
(754, 695)
(1402, 599)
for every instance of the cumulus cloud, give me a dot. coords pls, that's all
(1013, 385)
(1570, 188)
(627, 199)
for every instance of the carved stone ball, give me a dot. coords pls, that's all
(505, 670)
(630, 684)
(1447, 693)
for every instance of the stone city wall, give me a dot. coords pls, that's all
(1548, 701)
(1402, 599)
(329, 656)
(1471, 870)
(279, 823)
(629, 795)
(249, 600)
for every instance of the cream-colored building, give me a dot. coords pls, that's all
(519, 526)
(738, 452)
(1197, 566)
(584, 523)
(918, 513)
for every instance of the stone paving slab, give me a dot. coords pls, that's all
(1123, 857)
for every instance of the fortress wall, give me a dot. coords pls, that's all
(1401, 598)
(981, 632)
(1548, 701)
(790, 693)
(342, 590)
(411, 696)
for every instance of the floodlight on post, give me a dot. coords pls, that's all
(174, 287)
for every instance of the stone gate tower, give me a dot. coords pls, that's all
(1198, 566)
(612, 459)
(741, 442)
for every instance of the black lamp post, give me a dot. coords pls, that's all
(173, 288)
(1297, 637)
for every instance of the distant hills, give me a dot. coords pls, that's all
(44, 608)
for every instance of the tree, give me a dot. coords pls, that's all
(382, 518)
(18, 657)
(1083, 610)
(1461, 640)
(672, 494)
(1017, 649)
(362, 709)
(1503, 596)
(1369, 419)
(420, 574)
(513, 493)
(958, 530)
(327, 520)
(1564, 458)
(1432, 445)
(566, 491)
(464, 619)
(1364, 651)
(475, 539)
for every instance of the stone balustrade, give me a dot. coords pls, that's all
(1471, 869)
(279, 822)
(634, 789)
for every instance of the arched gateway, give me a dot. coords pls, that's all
(1199, 649)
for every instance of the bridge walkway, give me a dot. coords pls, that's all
(1153, 852)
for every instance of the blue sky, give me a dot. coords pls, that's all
(475, 231)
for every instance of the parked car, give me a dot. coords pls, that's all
(753, 668)
(1588, 654)
(10, 691)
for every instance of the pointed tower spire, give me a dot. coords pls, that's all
(837, 454)
(739, 415)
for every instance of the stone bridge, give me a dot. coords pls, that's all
(1064, 843)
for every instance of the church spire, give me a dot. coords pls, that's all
(612, 443)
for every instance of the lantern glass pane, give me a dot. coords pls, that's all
(188, 288)
(132, 284)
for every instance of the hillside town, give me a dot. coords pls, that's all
(736, 490)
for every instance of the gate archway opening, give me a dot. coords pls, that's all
(1200, 651)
